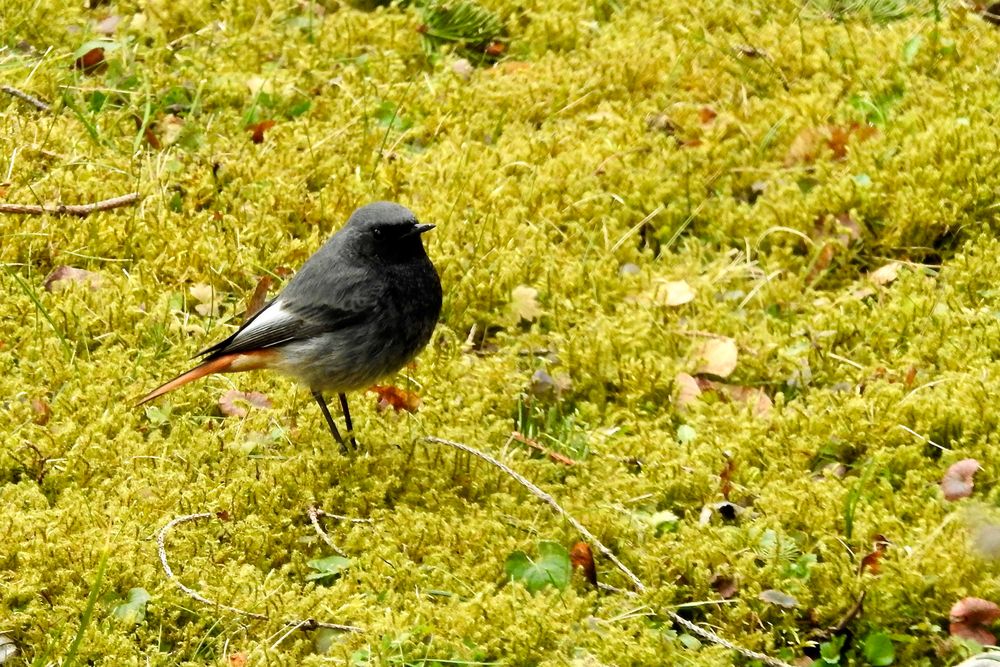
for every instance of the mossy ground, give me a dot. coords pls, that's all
(537, 172)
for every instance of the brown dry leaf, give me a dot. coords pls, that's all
(91, 62)
(524, 303)
(495, 49)
(755, 397)
(582, 557)
(804, 147)
(232, 402)
(238, 659)
(5, 188)
(395, 398)
(673, 292)
(42, 411)
(688, 390)
(64, 276)
(837, 141)
(725, 586)
(969, 616)
(258, 297)
(885, 274)
(957, 481)
(871, 560)
(707, 114)
(716, 356)
(823, 261)
(258, 130)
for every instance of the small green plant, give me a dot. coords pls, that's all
(327, 569)
(551, 568)
(476, 31)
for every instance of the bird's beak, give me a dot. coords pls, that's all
(420, 229)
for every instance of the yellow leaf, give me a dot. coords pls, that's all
(674, 292)
(688, 390)
(524, 303)
(717, 356)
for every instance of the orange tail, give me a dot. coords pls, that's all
(224, 364)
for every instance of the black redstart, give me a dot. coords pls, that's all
(359, 309)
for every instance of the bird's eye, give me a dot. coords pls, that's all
(378, 233)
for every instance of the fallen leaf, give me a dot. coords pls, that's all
(957, 480)
(5, 188)
(42, 411)
(839, 136)
(707, 115)
(871, 560)
(495, 49)
(258, 85)
(209, 301)
(758, 400)
(688, 390)
(64, 276)
(969, 616)
(716, 356)
(725, 586)
(673, 292)
(258, 130)
(258, 297)
(582, 557)
(823, 260)
(8, 649)
(168, 129)
(91, 62)
(232, 402)
(395, 398)
(463, 69)
(108, 25)
(885, 274)
(238, 659)
(524, 303)
(778, 598)
(804, 147)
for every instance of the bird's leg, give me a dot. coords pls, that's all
(347, 420)
(318, 395)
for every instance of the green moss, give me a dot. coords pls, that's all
(538, 172)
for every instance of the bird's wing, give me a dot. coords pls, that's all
(292, 318)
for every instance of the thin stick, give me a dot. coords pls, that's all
(314, 518)
(81, 210)
(30, 99)
(636, 582)
(161, 539)
(549, 500)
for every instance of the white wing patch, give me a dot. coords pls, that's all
(274, 316)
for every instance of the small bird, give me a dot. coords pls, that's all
(359, 309)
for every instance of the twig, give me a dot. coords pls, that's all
(81, 210)
(549, 500)
(161, 539)
(30, 99)
(636, 582)
(313, 513)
